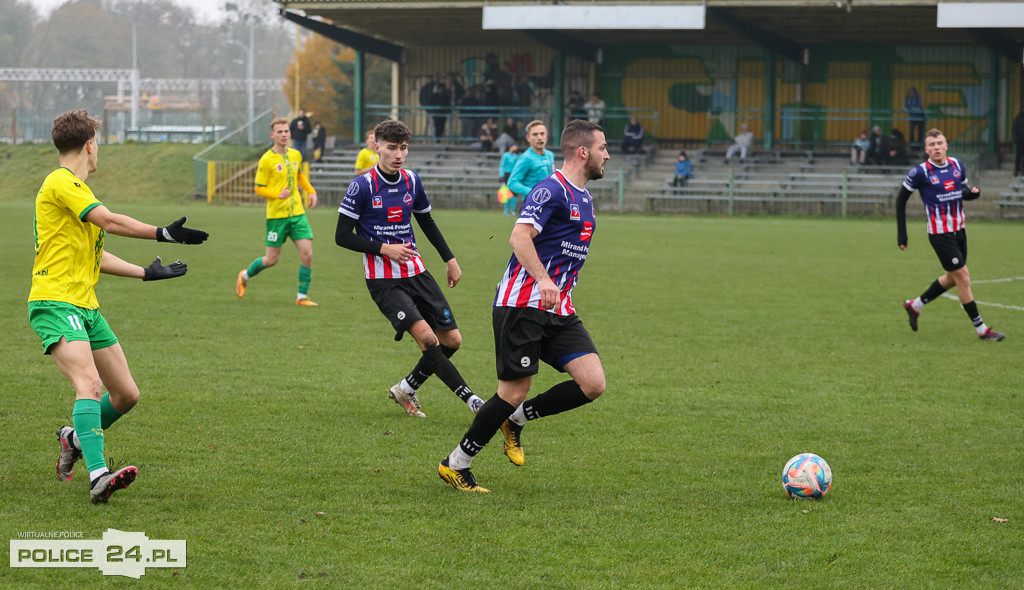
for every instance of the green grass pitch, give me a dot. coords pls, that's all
(730, 345)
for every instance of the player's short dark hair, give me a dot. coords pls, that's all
(933, 132)
(578, 133)
(72, 129)
(391, 131)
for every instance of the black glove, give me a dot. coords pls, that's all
(157, 271)
(179, 234)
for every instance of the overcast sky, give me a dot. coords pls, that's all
(205, 10)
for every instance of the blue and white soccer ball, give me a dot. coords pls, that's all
(806, 476)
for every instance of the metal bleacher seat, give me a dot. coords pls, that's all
(1011, 202)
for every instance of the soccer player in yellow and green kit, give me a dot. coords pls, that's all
(70, 224)
(278, 179)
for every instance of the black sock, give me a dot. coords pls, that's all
(421, 372)
(563, 397)
(435, 360)
(488, 420)
(972, 312)
(932, 292)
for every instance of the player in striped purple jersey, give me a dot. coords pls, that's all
(379, 205)
(533, 317)
(942, 184)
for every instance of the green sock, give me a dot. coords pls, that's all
(305, 276)
(86, 418)
(108, 413)
(255, 268)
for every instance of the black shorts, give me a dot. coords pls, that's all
(525, 335)
(951, 248)
(406, 301)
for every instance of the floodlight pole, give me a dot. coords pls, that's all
(250, 76)
(250, 51)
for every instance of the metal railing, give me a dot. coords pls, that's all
(461, 124)
(219, 152)
(807, 127)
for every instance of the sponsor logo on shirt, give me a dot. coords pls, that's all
(394, 214)
(392, 190)
(949, 185)
(353, 189)
(574, 212)
(588, 230)
(377, 202)
(541, 195)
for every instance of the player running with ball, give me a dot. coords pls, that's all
(533, 316)
(942, 183)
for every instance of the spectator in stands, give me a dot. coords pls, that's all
(522, 93)
(876, 147)
(488, 133)
(1018, 142)
(575, 106)
(508, 163)
(859, 149)
(367, 157)
(743, 142)
(319, 141)
(595, 109)
(915, 110)
(300, 128)
(469, 116)
(536, 163)
(491, 96)
(441, 105)
(683, 170)
(509, 135)
(633, 137)
(896, 149)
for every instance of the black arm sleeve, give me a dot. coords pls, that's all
(901, 216)
(968, 195)
(345, 236)
(433, 233)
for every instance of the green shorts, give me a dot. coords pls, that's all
(53, 320)
(296, 228)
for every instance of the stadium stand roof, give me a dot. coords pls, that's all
(784, 23)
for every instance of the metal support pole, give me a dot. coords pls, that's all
(622, 187)
(993, 109)
(769, 101)
(555, 133)
(135, 85)
(732, 187)
(251, 77)
(846, 180)
(358, 94)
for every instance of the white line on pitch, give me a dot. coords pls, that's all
(1007, 280)
(955, 298)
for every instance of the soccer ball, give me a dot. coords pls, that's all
(806, 476)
